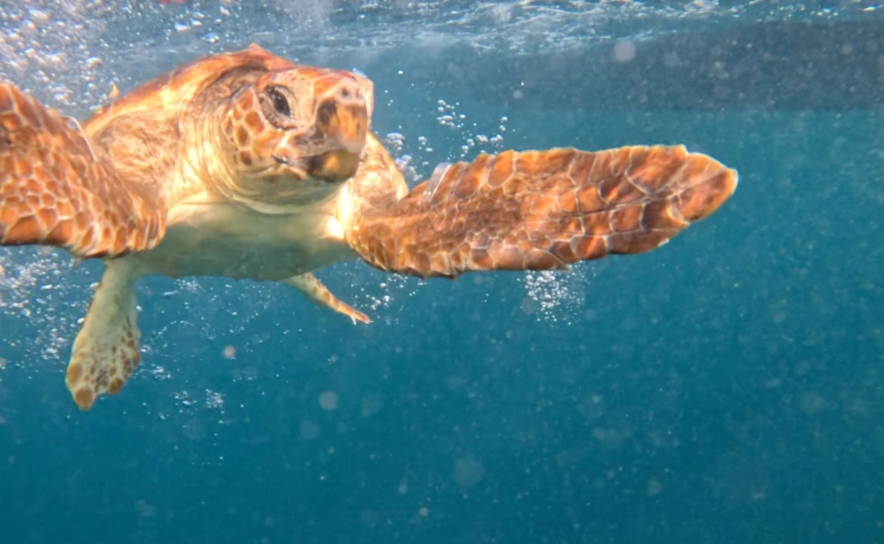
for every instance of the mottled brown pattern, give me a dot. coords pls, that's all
(92, 373)
(55, 191)
(210, 126)
(106, 351)
(263, 166)
(542, 210)
(174, 89)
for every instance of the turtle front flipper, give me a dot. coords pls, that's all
(542, 210)
(317, 293)
(55, 191)
(106, 350)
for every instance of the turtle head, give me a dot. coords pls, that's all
(294, 136)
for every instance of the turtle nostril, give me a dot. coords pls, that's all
(350, 92)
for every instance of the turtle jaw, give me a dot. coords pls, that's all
(330, 167)
(334, 166)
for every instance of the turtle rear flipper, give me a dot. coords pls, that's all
(55, 191)
(542, 210)
(106, 350)
(316, 292)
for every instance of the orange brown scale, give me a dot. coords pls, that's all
(609, 202)
(253, 122)
(42, 155)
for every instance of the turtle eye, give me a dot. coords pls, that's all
(280, 102)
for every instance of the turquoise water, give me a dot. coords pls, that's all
(725, 388)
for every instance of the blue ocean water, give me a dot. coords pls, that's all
(725, 388)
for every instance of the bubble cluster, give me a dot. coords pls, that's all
(555, 297)
(476, 140)
(214, 400)
(51, 47)
(449, 117)
(393, 288)
(40, 290)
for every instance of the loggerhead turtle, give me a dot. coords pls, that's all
(246, 165)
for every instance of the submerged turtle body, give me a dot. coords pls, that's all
(246, 165)
(248, 153)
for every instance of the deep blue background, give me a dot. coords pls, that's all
(726, 388)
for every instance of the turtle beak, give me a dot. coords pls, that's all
(342, 123)
(344, 129)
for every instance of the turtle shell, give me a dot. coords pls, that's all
(186, 82)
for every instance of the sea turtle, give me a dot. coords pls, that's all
(246, 165)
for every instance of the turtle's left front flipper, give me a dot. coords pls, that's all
(542, 210)
(55, 191)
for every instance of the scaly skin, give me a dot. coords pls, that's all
(542, 210)
(55, 190)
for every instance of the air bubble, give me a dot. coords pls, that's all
(328, 400)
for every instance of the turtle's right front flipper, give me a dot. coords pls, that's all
(55, 191)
